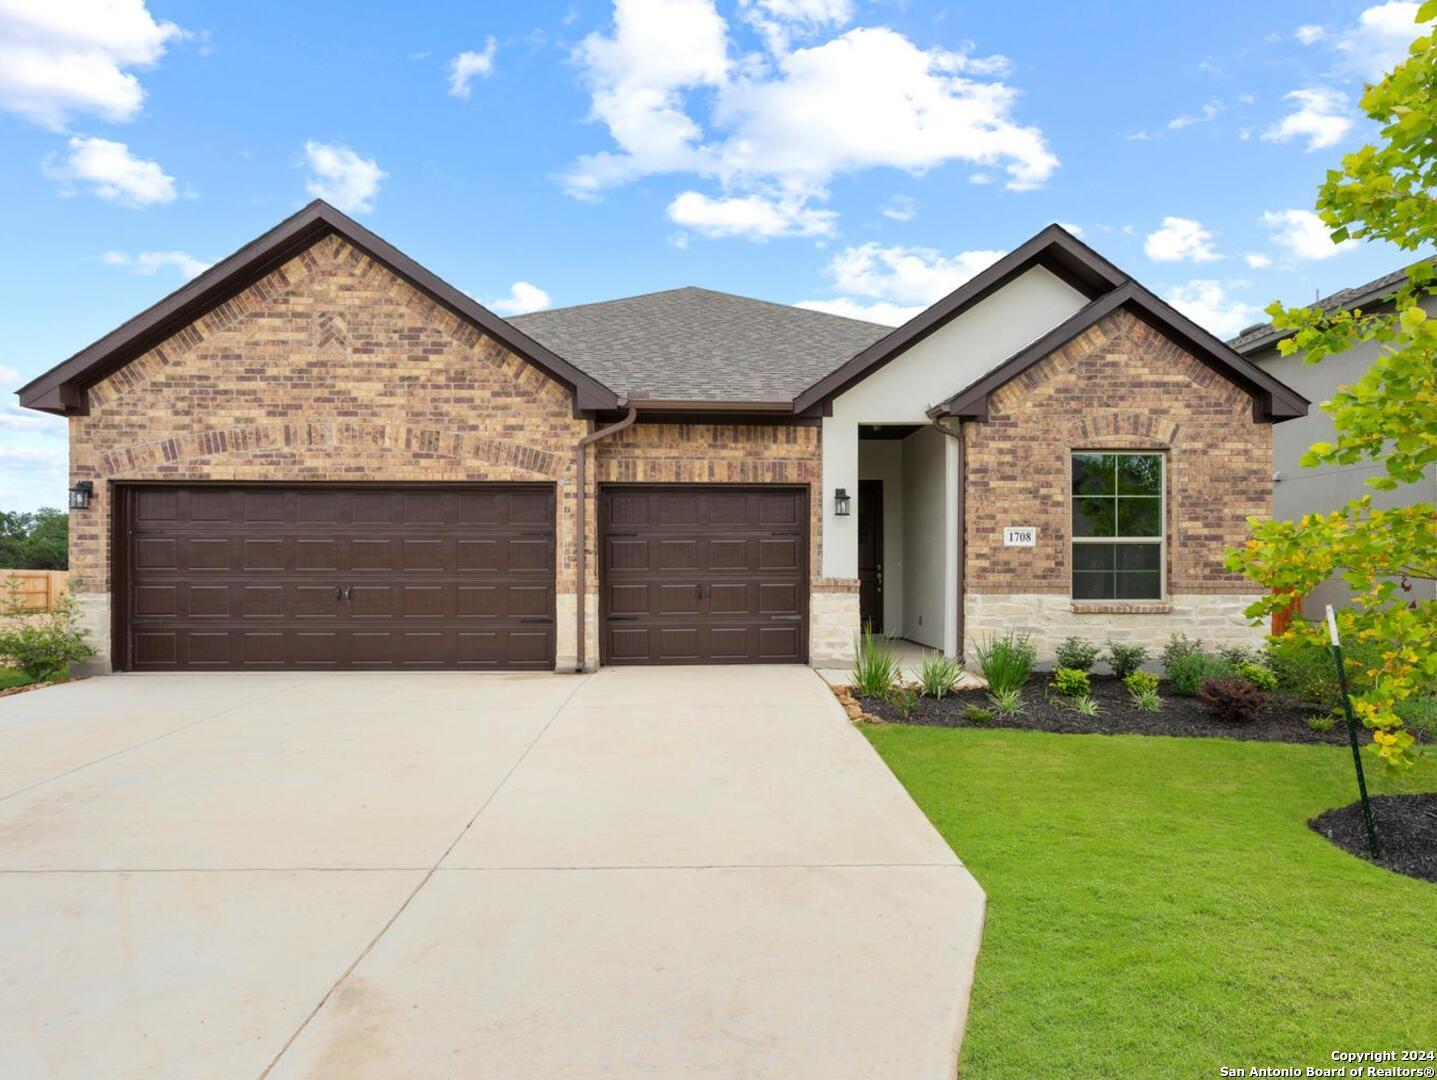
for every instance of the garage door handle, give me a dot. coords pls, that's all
(348, 593)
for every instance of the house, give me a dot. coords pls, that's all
(1298, 491)
(318, 454)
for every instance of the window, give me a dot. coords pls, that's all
(1117, 526)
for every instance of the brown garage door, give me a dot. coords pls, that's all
(353, 576)
(704, 575)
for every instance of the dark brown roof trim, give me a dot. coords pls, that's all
(1054, 248)
(61, 389)
(1273, 401)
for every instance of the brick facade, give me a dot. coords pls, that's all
(333, 368)
(1121, 385)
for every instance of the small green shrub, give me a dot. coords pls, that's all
(1258, 675)
(1148, 701)
(875, 666)
(904, 698)
(976, 714)
(1420, 716)
(44, 645)
(1007, 702)
(1231, 699)
(1071, 682)
(937, 674)
(1141, 682)
(1189, 671)
(1006, 661)
(1305, 670)
(1085, 705)
(1078, 654)
(1322, 723)
(1125, 659)
(1179, 646)
(1236, 655)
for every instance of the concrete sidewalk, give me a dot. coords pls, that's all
(644, 872)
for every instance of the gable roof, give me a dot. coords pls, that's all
(695, 344)
(1055, 249)
(1264, 336)
(1272, 400)
(61, 389)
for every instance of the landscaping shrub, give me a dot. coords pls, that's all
(1071, 682)
(1085, 705)
(1321, 724)
(1258, 675)
(1007, 702)
(1420, 716)
(976, 714)
(1141, 682)
(1304, 669)
(1078, 654)
(937, 674)
(1148, 701)
(1179, 646)
(875, 666)
(1236, 655)
(1231, 698)
(1006, 661)
(1125, 659)
(44, 645)
(1189, 671)
(903, 697)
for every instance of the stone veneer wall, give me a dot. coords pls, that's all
(1121, 385)
(332, 368)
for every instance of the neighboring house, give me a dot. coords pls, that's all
(317, 454)
(1298, 491)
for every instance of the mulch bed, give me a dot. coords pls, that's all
(1406, 832)
(1281, 720)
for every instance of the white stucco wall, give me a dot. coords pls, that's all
(882, 459)
(930, 588)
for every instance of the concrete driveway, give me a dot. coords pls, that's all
(647, 872)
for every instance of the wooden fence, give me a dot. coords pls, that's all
(37, 590)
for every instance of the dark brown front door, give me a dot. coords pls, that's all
(703, 575)
(870, 555)
(335, 576)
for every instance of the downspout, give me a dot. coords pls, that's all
(581, 562)
(957, 436)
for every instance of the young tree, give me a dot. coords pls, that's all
(1388, 417)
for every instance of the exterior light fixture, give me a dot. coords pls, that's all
(80, 495)
(841, 503)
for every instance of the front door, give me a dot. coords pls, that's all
(870, 555)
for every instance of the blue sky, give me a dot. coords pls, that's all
(856, 155)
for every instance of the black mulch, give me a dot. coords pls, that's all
(1406, 832)
(1281, 720)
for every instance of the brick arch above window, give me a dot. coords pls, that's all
(1120, 430)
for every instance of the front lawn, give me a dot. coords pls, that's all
(1159, 907)
(11, 677)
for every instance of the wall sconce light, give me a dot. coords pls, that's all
(80, 495)
(841, 503)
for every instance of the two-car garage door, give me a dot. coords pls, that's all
(343, 576)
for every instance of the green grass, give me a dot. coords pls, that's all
(13, 677)
(1158, 906)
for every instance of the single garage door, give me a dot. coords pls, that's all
(335, 576)
(704, 575)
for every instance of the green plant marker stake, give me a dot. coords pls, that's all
(1351, 730)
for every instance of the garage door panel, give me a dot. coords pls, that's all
(700, 575)
(247, 576)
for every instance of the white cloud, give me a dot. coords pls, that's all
(8, 376)
(1310, 34)
(1380, 39)
(1179, 239)
(111, 172)
(342, 177)
(1303, 234)
(62, 59)
(1076, 230)
(882, 312)
(1206, 303)
(752, 216)
(904, 275)
(1257, 260)
(782, 123)
(780, 20)
(522, 299)
(1206, 113)
(900, 208)
(15, 418)
(150, 263)
(1321, 117)
(32, 477)
(467, 66)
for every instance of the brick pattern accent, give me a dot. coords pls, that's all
(1119, 385)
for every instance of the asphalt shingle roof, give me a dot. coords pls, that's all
(1263, 335)
(694, 344)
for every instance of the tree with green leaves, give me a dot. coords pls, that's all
(1388, 417)
(34, 541)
